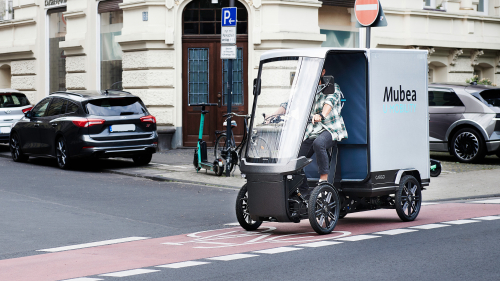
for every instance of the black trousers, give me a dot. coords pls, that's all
(319, 145)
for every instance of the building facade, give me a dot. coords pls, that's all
(168, 51)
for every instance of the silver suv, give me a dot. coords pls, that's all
(464, 120)
(13, 105)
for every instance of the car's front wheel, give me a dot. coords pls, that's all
(15, 149)
(467, 145)
(142, 159)
(62, 156)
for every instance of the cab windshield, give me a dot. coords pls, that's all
(282, 109)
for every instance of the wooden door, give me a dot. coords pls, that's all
(203, 79)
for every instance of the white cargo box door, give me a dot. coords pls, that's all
(399, 124)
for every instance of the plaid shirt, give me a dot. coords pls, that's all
(333, 122)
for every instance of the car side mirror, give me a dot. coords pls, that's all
(256, 87)
(28, 114)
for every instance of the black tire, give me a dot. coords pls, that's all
(408, 198)
(437, 170)
(62, 156)
(220, 145)
(218, 170)
(242, 213)
(467, 145)
(324, 208)
(15, 149)
(498, 154)
(143, 159)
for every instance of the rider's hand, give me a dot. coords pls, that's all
(316, 118)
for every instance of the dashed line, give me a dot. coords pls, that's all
(277, 250)
(396, 231)
(83, 279)
(488, 218)
(183, 264)
(357, 237)
(459, 222)
(232, 257)
(429, 226)
(93, 244)
(131, 272)
(319, 244)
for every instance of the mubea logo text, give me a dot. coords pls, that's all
(402, 100)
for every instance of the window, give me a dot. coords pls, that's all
(13, 100)
(482, 7)
(430, 4)
(72, 107)
(444, 98)
(115, 107)
(55, 107)
(40, 108)
(198, 75)
(57, 59)
(343, 39)
(237, 97)
(6, 10)
(111, 52)
(201, 17)
(492, 97)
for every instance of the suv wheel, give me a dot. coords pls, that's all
(467, 146)
(142, 159)
(62, 157)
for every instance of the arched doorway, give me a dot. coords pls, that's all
(485, 71)
(438, 72)
(204, 73)
(5, 76)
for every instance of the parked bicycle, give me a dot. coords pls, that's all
(230, 152)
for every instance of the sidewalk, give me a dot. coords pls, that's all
(176, 165)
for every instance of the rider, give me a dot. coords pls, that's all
(326, 129)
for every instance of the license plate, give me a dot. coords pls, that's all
(4, 130)
(122, 128)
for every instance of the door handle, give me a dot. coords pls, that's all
(219, 98)
(54, 124)
(36, 125)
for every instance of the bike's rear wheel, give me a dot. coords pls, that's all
(221, 146)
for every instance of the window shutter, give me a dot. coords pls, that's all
(109, 6)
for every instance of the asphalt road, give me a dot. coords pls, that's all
(44, 207)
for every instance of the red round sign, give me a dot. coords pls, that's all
(366, 11)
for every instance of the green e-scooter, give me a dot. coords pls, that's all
(200, 154)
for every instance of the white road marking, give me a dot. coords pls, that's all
(459, 221)
(83, 279)
(183, 264)
(131, 272)
(319, 244)
(395, 231)
(491, 201)
(233, 224)
(427, 204)
(232, 257)
(357, 237)
(366, 7)
(429, 226)
(488, 218)
(93, 244)
(277, 250)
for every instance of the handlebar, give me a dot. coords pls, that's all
(236, 114)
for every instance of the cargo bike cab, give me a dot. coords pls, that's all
(384, 162)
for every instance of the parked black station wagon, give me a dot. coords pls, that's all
(86, 124)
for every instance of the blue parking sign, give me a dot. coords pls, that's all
(228, 16)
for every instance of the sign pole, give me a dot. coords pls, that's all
(368, 35)
(229, 101)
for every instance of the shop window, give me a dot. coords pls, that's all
(342, 39)
(201, 17)
(57, 58)
(6, 10)
(111, 17)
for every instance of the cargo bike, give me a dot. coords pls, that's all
(384, 162)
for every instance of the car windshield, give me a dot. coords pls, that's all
(282, 108)
(115, 106)
(492, 97)
(13, 100)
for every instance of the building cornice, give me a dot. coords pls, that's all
(140, 4)
(74, 14)
(17, 22)
(293, 3)
(435, 14)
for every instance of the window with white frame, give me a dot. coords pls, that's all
(430, 4)
(6, 10)
(482, 6)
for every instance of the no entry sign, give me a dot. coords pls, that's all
(366, 11)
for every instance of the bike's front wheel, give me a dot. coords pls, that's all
(221, 149)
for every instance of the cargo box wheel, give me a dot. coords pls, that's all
(242, 213)
(324, 208)
(408, 198)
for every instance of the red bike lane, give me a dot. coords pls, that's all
(219, 242)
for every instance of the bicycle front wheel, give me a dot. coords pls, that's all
(221, 145)
(259, 148)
